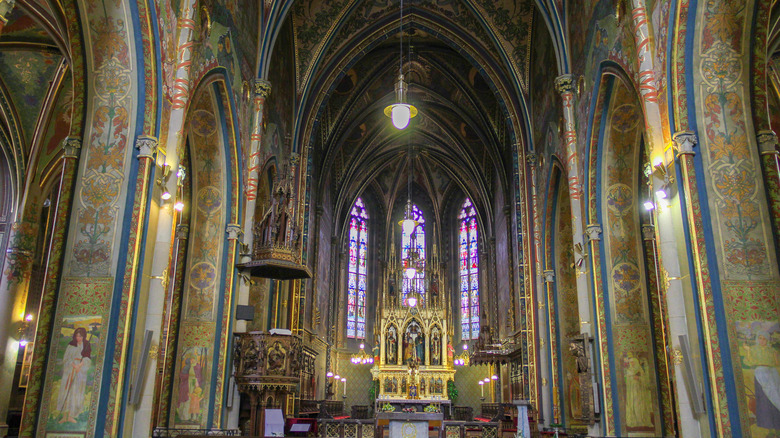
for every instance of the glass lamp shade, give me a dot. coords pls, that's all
(408, 226)
(410, 273)
(412, 301)
(400, 112)
(401, 115)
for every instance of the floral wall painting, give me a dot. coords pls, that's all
(77, 344)
(191, 388)
(760, 360)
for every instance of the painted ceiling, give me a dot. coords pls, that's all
(31, 81)
(466, 63)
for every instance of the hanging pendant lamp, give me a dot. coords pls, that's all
(401, 112)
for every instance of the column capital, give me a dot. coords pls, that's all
(549, 276)
(6, 6)
(565, 83)
(648, 232)
(767, 142)
(71, 147)
(262, 88)
(684, 141)
(233, 231)
(182, 231)
(531, 159)
(295, 159)
(147, 146)
(593, 231)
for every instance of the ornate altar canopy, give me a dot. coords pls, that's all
(415, 353)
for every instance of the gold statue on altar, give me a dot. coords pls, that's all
(414, 339)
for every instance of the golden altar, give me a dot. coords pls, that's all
(415, 352)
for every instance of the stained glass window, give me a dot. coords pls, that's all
(469, 272)
(356, 271)
(418, 237)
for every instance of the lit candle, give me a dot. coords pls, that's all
(344, 380)
(482, 387)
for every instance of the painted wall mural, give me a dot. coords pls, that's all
(740, 220)
(635, 371)
(566, 307)
(191, 387)
(759, 354)
(192, 382)
(278, 117)
(76, 348)
(103, 177)
(57, 128)
(26, 76)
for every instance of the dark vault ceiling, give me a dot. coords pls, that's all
(467, 86)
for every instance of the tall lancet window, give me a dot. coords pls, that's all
(356, 271)
(417, 238)
(469, 272)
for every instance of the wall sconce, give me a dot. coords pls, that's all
(579, 255)
(24, 328)
(181, 173)
(663, 169)
(162, 181)
(163, 278)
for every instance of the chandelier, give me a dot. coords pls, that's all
(400, 112)
(362, 358)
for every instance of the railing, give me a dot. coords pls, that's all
(352, 428)
(164, 432)
(469, 429)
(347, 428)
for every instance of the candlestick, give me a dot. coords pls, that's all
(482, 387)
(344, 380)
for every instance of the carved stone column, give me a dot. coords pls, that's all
(549, 279)
(262, 89)
(565, 85)
(169, 331)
